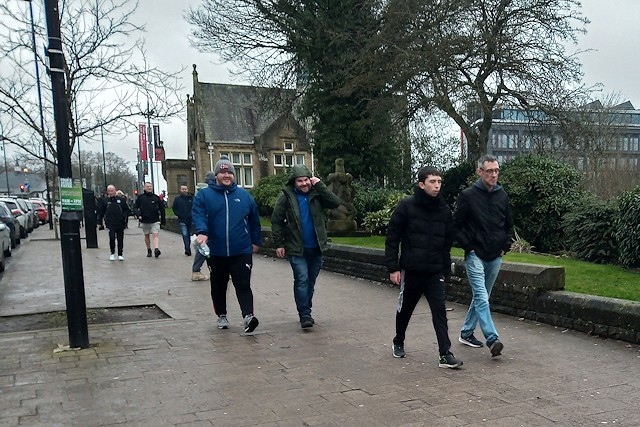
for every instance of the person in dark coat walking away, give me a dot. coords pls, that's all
(114, 211)
(151, 212)
(299, 233)
(418, 258)
(484, 229)
(225, 217)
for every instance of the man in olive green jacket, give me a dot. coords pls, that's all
(298, 225)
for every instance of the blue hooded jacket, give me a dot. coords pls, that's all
(228, 216)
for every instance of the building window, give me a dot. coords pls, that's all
(181, 179)
(299, 159)
(288, 146)
(243, 164)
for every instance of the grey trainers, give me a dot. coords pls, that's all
(470, 340)
(250, 323)
(449, 361)
(223, 323)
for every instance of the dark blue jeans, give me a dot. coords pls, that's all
(305, 271)
(185, 231)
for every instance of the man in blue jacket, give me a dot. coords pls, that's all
(225, 217)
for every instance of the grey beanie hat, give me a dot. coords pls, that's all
(224, 164)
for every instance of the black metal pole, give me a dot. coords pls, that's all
(104, 162)
(44, 140)
(69, 221)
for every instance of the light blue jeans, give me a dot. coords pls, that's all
(305, 271)
(481, 275)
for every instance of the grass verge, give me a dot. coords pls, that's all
(582, 277)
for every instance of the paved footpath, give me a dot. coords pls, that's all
(183, 371)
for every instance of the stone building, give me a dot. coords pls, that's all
(237, 121)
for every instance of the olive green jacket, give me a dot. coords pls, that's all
(286, 223)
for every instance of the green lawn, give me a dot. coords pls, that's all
(582, 277)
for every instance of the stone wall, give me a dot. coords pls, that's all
(534, 292)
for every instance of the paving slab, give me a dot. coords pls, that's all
(183, 371)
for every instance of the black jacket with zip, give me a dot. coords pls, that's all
(483, 221)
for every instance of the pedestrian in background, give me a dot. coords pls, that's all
(299, 233)
(182, 209)
(484, 229)
(418, 259)
(151, 213)
(226, 218)
(114, 211)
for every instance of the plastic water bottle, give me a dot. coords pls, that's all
(202, 248)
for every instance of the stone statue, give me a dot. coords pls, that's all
(342, 218)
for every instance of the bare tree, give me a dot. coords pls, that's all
(451, 54)
(109, 83)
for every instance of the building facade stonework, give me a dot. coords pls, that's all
(239, 122)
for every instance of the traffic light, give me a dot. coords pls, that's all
(22, 188)
(135, 191)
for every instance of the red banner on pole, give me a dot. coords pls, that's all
(142, 141)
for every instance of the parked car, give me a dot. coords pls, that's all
(29, 212)
(5, 244)
(7, 218)
(42, 211)
(18, 214)
(34, 212)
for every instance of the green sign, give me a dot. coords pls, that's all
(71, 194)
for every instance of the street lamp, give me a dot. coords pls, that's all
(104, 163)
(44, 140)
(210, 151)
(6, 173)
(150, 152)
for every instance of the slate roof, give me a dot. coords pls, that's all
(36, 182)
(233, 113)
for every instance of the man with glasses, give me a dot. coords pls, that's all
(483, 225)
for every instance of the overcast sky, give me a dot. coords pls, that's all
(613, 34)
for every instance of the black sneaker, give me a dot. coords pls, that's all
(496, 348)
(187, 252)
(449, 361)
(148, 253)
(306, 322)
(470, 340)
(398, 350)
(250, 323)
(156, 252)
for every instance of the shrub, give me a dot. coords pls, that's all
(377, 221)
(369, 197)
(590, 232)
(267, 191)
(627, 228)
(455, 180)
(541, 191)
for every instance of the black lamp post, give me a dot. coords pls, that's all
(69, 221)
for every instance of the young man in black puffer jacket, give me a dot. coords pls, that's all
(418, 258)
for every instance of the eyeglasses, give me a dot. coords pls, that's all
(491, 171)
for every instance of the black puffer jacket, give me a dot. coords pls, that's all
(420, 230)
(483, 221)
